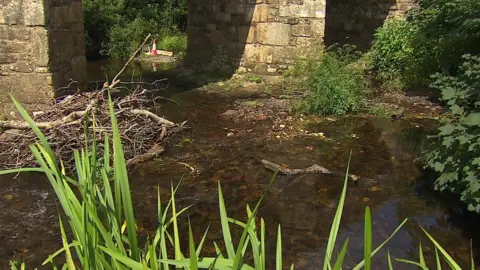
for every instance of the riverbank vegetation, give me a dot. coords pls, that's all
(437, 47)
(99, 216)
(115, 28)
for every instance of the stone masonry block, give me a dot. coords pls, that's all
(26, 87)
(309, 9)
(318, 27)
(40, 47)
(223, 17)
(13, 46)
(10, 12)
(256, 53)
(11, 32)
(301, 30)
(246, 34)
(261, 13)
(273, 33)
(33, 13)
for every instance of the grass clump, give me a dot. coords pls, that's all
(334, 85)
(176, 43)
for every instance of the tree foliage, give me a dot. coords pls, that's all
(114, 27)
(433, 39)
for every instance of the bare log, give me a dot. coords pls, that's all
(152, 116)
(156, 150)
(312, 169)
(70, 118)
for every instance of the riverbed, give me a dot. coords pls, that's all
(229, 150)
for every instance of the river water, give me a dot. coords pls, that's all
(384, 152)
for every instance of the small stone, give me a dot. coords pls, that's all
(282, 126)
(8, 197)
(230, 134)
(243, 187)
(230, 113)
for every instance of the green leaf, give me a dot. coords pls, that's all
(472, 119)
(225, 227)
(449, 259)
(193, 252)
(390, 266)
(341, 256)
(279, 249)
(368, 239)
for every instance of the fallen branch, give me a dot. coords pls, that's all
(156, 150)
(152, 116)
(70, 118)
(312, 169)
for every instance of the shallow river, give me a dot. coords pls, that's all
(383, 153)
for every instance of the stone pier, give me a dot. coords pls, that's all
(42, 50)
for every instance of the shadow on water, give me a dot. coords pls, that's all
(383, 154)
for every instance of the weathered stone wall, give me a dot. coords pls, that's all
(42, 48)
(262, 36)
(355, 21)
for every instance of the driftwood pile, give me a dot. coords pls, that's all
(64, 124)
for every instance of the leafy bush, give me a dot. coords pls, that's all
(433, 40)
(444, 30)
(113, 27)
(457, 154)
(391, 51)
(335, 85)
(176, 43)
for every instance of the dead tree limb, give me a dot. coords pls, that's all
(152, 116)
(312, 169)
(70, 118)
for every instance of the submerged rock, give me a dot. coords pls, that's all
(230, 113)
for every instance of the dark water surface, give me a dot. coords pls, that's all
(383, 154)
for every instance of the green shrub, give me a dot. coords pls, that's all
(335, 86)
(433, 40)
(176, 43)
(457, 154)
(391, 52)
(444, 30)
(124, 38)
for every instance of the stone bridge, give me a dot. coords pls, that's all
(42, 43)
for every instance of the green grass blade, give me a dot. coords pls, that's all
(200, 245)
(68, 254)
(341, 256)
(279, 249)
(360, 265)
(176, 234)
(390, 266)
(472, 261)
(34, 127)
(192, 249)
(448, 258)
(225, 227)
(218, 250)
(367, 249)
(292, 267)
(437, 259)
(126, 260)
(262, 243)
(332, 238)
(421, 258)
(412, 263)
(120, 175)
